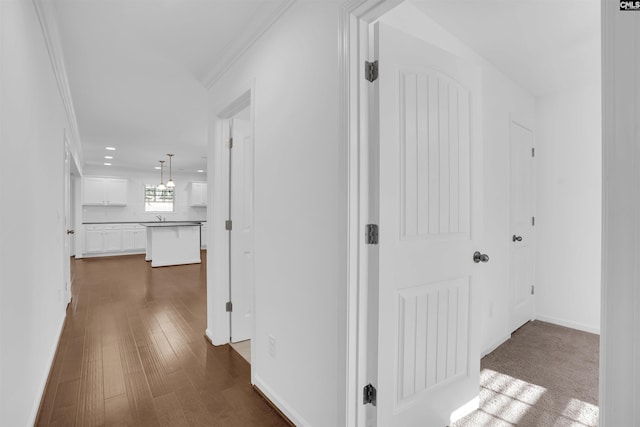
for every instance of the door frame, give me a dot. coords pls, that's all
(355, 18)
(218, 329)
(354, 124)
(236, 179)
(68, 170)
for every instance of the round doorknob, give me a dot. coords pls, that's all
(479, 257)
(517, 238)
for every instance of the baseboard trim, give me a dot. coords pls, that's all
(178, 262)
(35, 417)
(281, 406)
(110, 254)
(209, 336)
(273, 405)
(568, 324)
(495, 345)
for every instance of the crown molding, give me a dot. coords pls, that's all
(236, 49)
(48, 24)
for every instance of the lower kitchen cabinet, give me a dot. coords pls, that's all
(114, 239)
(94, 241)
(203, 237)
(134, 238)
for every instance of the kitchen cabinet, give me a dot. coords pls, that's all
(173, 243)
(98, 191)
(197, 194)
(134, 238)
(103, 238)
(112, 239)
(93, 239)
(203, 236)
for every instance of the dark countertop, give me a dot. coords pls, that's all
(172, 224)
(138, 222)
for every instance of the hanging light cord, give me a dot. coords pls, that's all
(170, 183)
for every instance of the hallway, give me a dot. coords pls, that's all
(133, 353)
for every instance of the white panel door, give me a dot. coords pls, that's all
(429, 189)
(241, 254)
(522, 271)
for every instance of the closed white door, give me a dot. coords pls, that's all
(241, 253)
(429, 219)
(522, 239)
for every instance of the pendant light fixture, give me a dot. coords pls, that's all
(161, 186)
(170, 183)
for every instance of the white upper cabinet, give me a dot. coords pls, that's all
(98, 191)
(198, 194)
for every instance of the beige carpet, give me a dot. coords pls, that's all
(545, 375)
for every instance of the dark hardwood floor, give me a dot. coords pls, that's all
(133, 353)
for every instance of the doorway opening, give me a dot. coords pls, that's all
(71, 176)
(234, 260)
(560, 120)
(241, 232)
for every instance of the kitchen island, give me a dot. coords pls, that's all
(173, 243)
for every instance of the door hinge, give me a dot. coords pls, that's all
(369, 395)
(229, 307)
(230, 143)
(533, 221)
(371, 234)
(533, 152)
(533, 290)
(228, 225)
(371, 70)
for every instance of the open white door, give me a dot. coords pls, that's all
(241, 250)
(430, 219)
(522, 271)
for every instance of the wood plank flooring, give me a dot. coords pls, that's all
(133, 353)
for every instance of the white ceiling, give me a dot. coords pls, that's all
(543, 45)
(138, 69)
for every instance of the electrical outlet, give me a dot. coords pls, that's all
(272, 346)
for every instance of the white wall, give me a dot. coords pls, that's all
(31, 213)
(300, 213)
(501, 98)
(569, 200)
(134, 210)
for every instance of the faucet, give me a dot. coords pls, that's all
(160, 218)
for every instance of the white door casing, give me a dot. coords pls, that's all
(241, 251)
(428, 113)
(522, 238)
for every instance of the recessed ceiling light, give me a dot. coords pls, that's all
(200, 171)
(107, 164)
(110, 148)
(108, 157)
